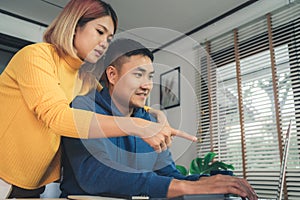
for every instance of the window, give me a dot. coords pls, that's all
(249, 89)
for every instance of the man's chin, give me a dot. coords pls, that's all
(140, 105)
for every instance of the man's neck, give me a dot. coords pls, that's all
(125, 110)
(127, 114)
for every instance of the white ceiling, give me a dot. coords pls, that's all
(179, 15)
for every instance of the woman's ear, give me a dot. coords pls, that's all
(112, 74)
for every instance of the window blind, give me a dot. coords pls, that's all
(249, 90)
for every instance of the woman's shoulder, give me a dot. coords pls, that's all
(41, 46)
(41, 49)
(34, 53)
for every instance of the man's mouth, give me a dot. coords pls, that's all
(142, 93)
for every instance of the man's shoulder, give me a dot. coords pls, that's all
(142, 113)
(85, 102)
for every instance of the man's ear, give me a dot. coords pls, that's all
(112, 74)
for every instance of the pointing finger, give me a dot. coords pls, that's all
(184, 135)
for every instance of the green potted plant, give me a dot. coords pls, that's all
(206, 165)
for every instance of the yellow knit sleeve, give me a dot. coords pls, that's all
(42, 90)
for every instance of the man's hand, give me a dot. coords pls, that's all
(218, 184)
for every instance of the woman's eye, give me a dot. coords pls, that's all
(151, 77)
(100, 32)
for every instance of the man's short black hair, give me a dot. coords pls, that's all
(125, 47)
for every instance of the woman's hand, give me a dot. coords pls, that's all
(159, 136)
(167, 131)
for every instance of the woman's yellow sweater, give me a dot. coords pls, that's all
(36, 89)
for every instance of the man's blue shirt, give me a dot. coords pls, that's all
(121, 166)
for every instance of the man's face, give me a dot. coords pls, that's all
(133, 83)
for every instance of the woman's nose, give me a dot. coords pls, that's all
(104, 44)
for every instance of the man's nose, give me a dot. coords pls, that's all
(147, 84)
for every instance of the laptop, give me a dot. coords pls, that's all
(281, 181)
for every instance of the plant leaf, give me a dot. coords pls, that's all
(182, 170)
(229, 166)
(200, 164)
(224, 166)
(217, 166)
(208, 158)
(194, 166)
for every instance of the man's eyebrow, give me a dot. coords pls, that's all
(143, 70)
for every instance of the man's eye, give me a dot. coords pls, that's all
(151, 77)
(138, 75)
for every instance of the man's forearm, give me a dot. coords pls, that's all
(178, 188)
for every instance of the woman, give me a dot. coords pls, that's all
(36, 89)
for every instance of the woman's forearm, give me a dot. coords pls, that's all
(112, 126)
(153, 133)
(157, 135)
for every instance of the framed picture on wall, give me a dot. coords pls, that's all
(170, 88)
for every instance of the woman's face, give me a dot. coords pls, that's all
(92, 39)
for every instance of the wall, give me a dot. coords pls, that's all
(182, 117)
(20, 28)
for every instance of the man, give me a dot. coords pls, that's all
(127, 166)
